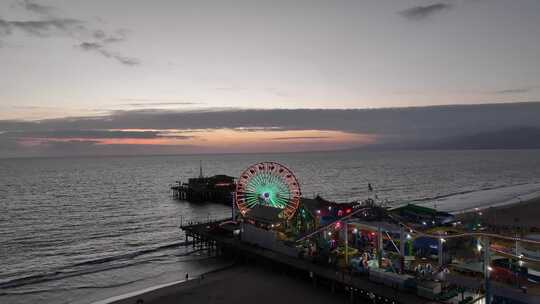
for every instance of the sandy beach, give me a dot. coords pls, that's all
(240, 284)
(524, 215)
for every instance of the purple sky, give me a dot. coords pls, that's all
(101, 58)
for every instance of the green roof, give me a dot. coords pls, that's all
(417, 209)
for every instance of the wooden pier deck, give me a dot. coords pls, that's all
(357, 287)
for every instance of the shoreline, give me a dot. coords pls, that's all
(485, 199)
(153, 293)
(234, 284)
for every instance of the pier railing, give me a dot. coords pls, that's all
(209, 219)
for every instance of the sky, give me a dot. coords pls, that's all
(102, 60)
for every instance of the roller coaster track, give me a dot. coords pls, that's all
(322, 228)
(481, 234)
(421, 233)
(511, 255)
(467, 234)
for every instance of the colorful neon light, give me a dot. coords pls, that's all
(268, 184)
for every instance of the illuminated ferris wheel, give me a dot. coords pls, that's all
(268, 184)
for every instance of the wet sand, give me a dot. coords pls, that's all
(241, 284)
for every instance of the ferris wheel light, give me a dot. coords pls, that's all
(268, 184)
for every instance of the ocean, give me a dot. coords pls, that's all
(78, 230)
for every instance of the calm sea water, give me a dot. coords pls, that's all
(83, 229)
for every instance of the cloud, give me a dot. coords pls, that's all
(41, 28)
(32, 107)
(162, 104)
(416, 121)
(91, 142)
(118, 36)
(71, 144)
(88, 148)
(100, 49)
(88, 46)
(143, 102)
(391, 126)
(422, 12)
(513, 91)
(82, 134)
(301, 138)
(89, 39)
(93, 134)
(258, 129)
(129, 61)
(37, 8)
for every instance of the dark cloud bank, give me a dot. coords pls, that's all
(36, 7)
(513, 125)
(422, 12)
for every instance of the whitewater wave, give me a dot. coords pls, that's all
(446, 195)
(484, 198)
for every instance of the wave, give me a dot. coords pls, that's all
(55, 289)
(489, 197)
(90, 266)
(129, 255)
(430, 198)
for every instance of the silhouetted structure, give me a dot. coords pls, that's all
(216, 189)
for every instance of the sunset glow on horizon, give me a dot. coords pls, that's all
(226, 140)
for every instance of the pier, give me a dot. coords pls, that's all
(407, 254)
(214, 238)
(216, 189)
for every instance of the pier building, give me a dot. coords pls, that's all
(362, 248)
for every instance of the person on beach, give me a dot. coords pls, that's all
(187, 276)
